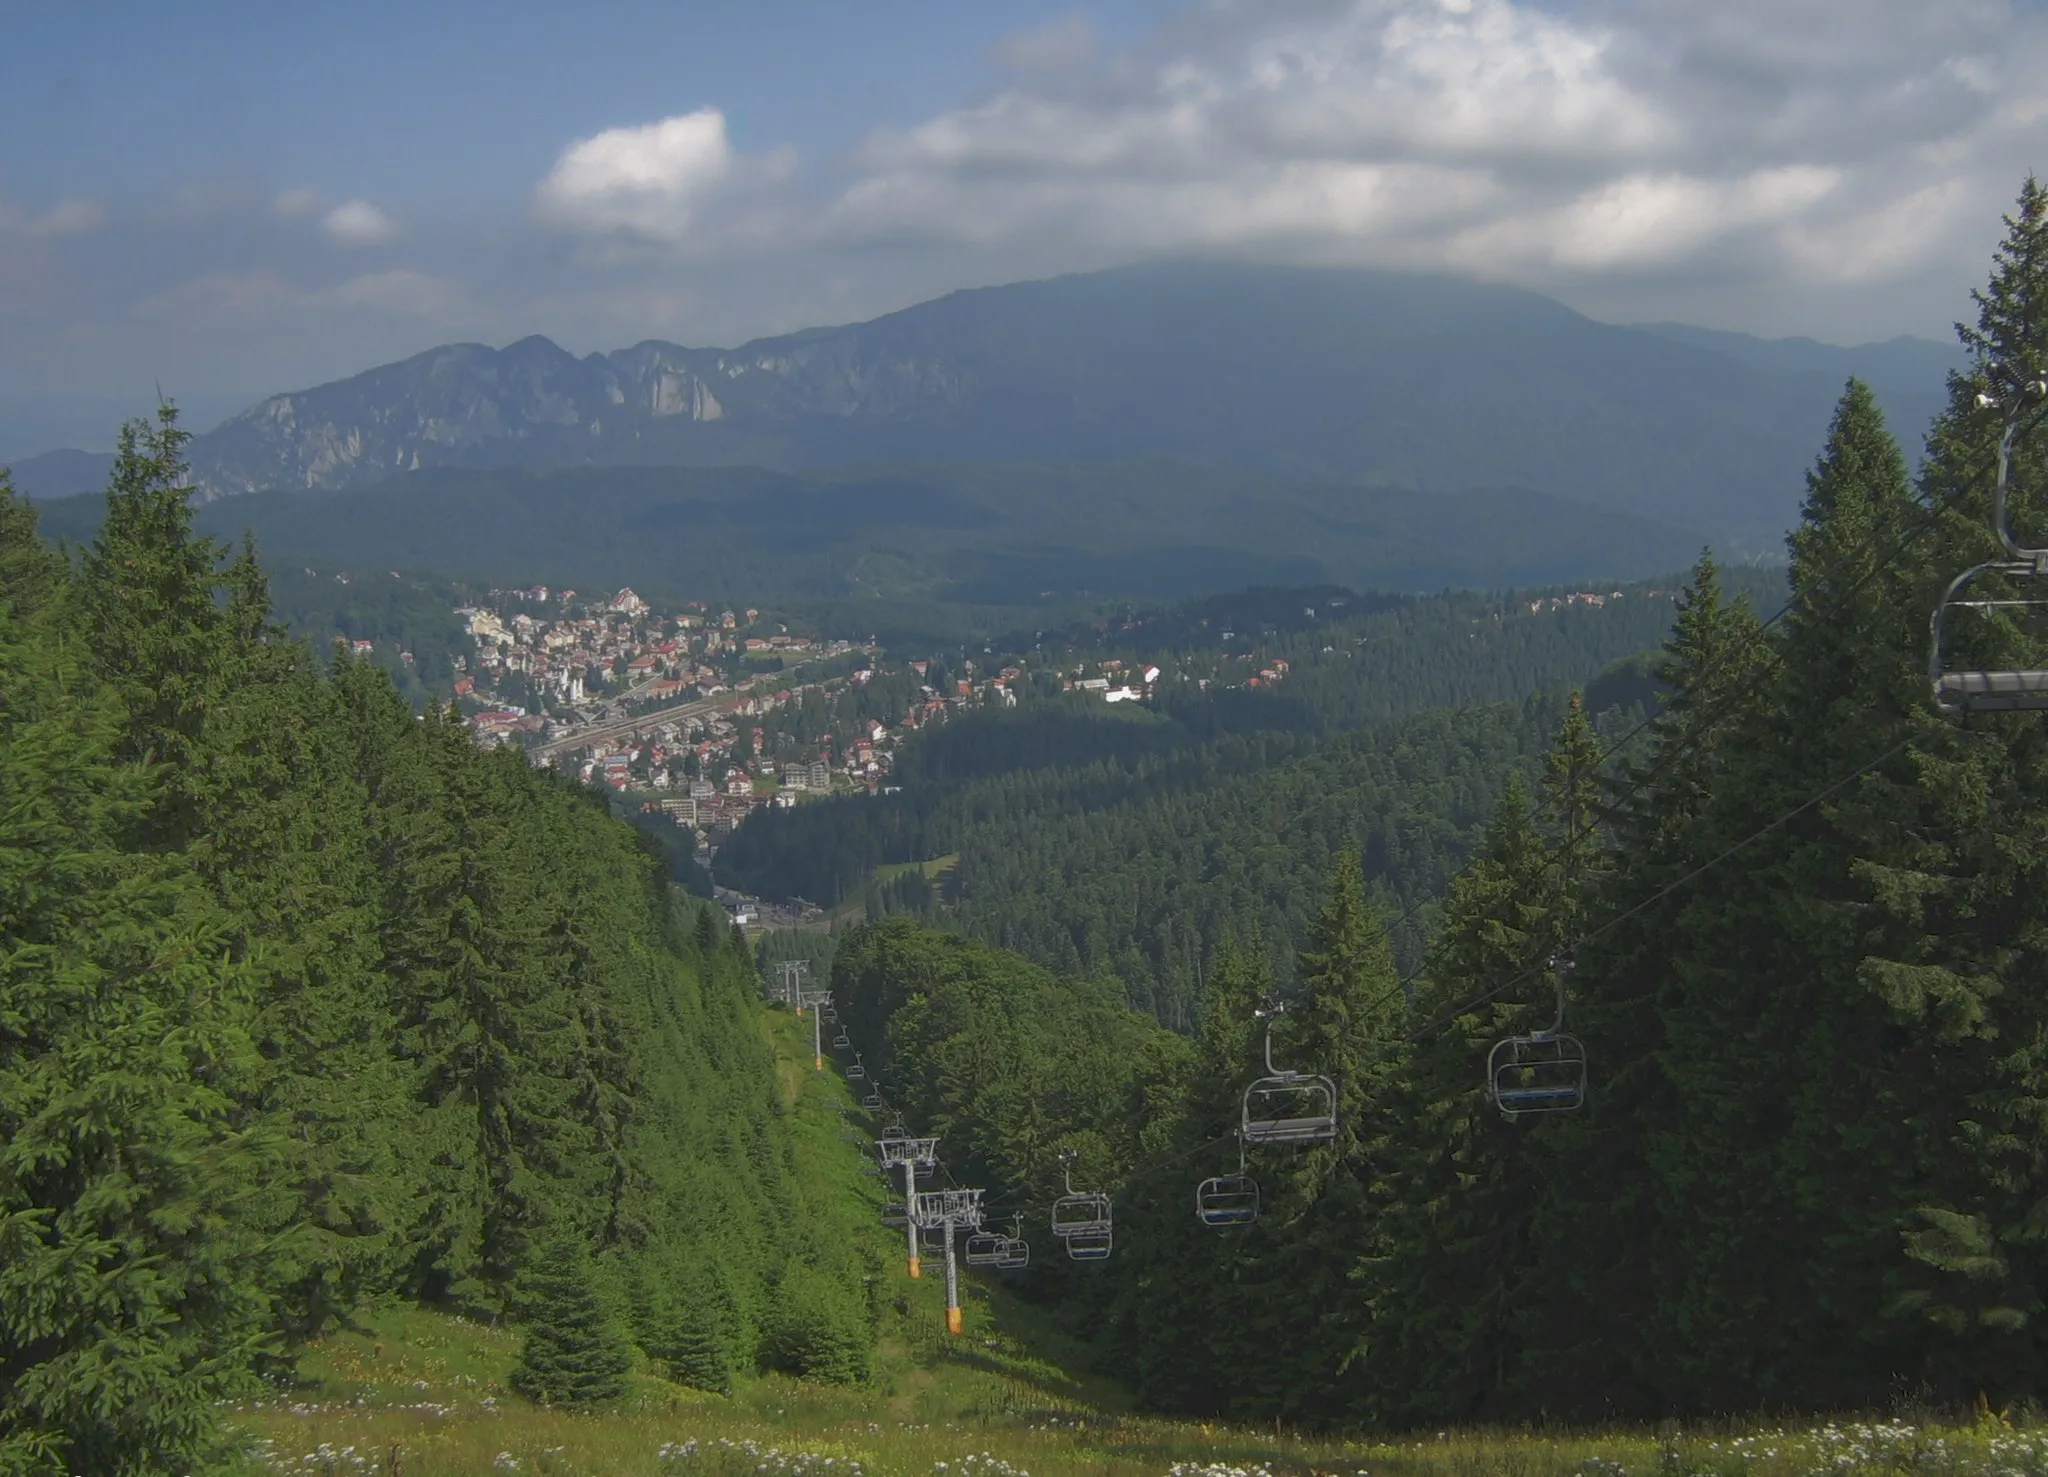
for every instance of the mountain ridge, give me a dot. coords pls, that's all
(1429, 382)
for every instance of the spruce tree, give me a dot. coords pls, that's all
(147, 593)
(132, 1284)
(1603, 1225)
(573, 1354)
(29, 572)
(1956, 875)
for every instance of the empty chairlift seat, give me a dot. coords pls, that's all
(1016, 1251)
(1080, 1214)
(984, 1249)
(1991, 692)
(1543, 1072)
(1083, 1220)
(1227, 1200)
(1089, 1246)
(2015, 588)
(1286, 1107)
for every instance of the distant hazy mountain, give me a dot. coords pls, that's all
(62, 473)
(1430, 383)
(1903, 365)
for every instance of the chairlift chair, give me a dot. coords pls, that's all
(855, 1071)
(1544, 1072)
(896, 1214)
(1015, 1255)
(841, 1042)
(1082, 1219)
(872, 1102)
(1288, 1107)
(1089, 1246)
(1958, 690)
(828, 1015)
(1228, 1199)
(984, 1249)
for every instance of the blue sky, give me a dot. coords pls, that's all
(445, 109)
(235, 199)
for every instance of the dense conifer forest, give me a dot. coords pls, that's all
(308, 1005)
(1134, 844)
(306, 1001)
(1801, 934)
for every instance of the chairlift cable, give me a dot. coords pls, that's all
(1925, 525)
(1658, 896)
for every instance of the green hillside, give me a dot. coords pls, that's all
(1719, 1087)
(1007, 536)
(309, 1002)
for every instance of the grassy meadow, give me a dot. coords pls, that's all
(410, 1393)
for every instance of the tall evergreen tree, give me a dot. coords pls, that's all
(132, 1286)
(1603, 1223)
(573, 1353)
(1956, 874)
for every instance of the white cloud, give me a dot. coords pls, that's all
(1764, 151)
(71, 218)
(66, 218)
(1644, 220)
(358, 223)
(1830, 143)
(649, 181)
(297, 205)
(1062, 45)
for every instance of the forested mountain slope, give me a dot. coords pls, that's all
(1801, 944)
(305, 1000)
(993, 535)
(1095, 838)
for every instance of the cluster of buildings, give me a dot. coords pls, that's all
(1581, 597)
(1113, 684)
(616, 647)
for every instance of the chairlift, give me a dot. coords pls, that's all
(984, 1249)
(1081, 1218)
(896, 1214)
(842, 1042)
(1540, 1073)
(1228, 1199)
(1288, 1107)
(855, 1071)
(1089, 1246)
(1958, 690)
(872, 1102)
(1016, 1251)
(828, 1015)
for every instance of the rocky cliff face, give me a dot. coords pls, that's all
(1424, 382)
(534, 404)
